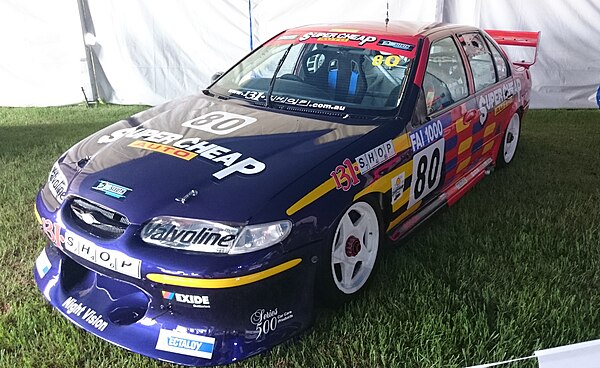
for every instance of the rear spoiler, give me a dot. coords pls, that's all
(517, 38)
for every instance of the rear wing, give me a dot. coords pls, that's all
(517, 38)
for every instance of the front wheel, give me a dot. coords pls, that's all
(353, 253)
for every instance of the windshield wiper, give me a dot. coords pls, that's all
(272, 82)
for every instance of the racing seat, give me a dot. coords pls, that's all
(340, 74)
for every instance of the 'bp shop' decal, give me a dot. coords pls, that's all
(266, 321)
(375, 157)
(107, 258)
(187, 148)
(428, 144)
(497, 97)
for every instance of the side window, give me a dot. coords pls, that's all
(480, 60)
(445, 82)
(500, 62)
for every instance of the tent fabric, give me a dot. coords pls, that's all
(152, 51)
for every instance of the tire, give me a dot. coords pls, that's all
(352, 254)
(510, 141)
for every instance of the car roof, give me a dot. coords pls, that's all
(397, 28)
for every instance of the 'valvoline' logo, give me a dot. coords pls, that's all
(111, 189)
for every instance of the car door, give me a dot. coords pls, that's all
(441, 145)
(494, 93)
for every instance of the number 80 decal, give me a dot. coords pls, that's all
(426, 172)
(219, 122)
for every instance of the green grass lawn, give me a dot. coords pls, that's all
(513, 267)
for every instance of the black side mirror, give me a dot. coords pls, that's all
(215, 76)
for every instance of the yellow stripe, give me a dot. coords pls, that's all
(463, 164)
(384, 183)
(465, 145)
(460, 125)
(221, 283)
(489, 129)
(312, 196)
(404, 215)
(37, 214)
(488, 146)
(401, 143)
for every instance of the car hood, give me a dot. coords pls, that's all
(233, 157)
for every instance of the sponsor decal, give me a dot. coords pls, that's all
(339, 37)
(288, 37)
(199, 235)
(503, 105)
(375, 157)
(163, 148)
(426, 135)
(185, 343)
(196, 301)
(266, 321)
(57, 183)
(187, 148)
(85, 313)
(111, 189)
(497, 97)
(302, 102)
(42, 264)
(397, 187)
(396, 45)
(219, 122)
(345, 175)
(107, 258)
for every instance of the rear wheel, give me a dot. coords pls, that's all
(510, 141)
(353, 253)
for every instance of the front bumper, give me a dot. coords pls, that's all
(175, 321)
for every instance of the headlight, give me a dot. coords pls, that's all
(255, 237)
(213, 237)
(57, 183)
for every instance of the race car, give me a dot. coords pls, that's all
(203, 231)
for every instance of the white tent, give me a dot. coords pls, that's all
(152, 51)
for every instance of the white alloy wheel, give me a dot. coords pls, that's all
(511, 139)
(355, 246)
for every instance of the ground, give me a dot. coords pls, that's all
(513, 267)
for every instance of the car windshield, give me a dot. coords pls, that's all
(317, 78)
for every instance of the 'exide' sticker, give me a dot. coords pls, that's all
(107, 258)
(196, 301)
(176, 145)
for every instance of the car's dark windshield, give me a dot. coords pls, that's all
(313, 76)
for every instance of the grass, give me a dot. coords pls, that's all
(513, 267)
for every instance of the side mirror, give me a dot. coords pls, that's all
(215, 76)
